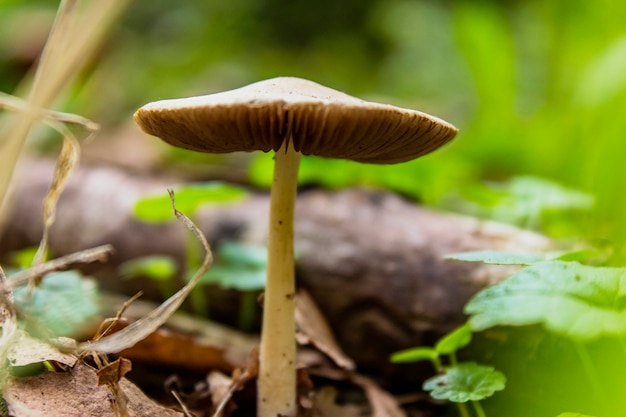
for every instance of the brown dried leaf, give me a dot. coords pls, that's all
(239, 379)
(220, 386)
(74, 394)
(114, 372)
(326, 405)
(383, 403)
(313, 328)
(165, 347)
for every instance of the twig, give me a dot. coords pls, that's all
(108, 325)
(141, 328)
(10, 102)
(97, 254)
(181, 403)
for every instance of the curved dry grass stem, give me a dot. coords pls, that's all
(138, 330)
(73, 39)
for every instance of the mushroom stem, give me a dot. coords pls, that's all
(277, 373)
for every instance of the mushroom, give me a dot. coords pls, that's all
(292, 117)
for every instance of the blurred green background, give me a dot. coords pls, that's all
(537, 89)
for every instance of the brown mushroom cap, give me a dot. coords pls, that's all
(319, 120)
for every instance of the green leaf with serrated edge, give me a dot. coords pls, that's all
(455, 340)
(577, 301)
(158, 208)
(503, 258)
(158, 268)
(467, 381)
(414, 355)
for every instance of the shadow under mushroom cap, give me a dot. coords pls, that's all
(317, 119)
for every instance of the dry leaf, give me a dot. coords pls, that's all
(220, 386)
(383, 403)
(239, 379)
(114, 372)
(26, 350)
(326, 405)
(313, 328)
(165, 347)
(74, 394)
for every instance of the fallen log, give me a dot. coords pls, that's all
(372, 261)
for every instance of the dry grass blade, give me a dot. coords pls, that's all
(141, 328)
(67, 162)
(72, 41)
(97, 254)
(16, 104)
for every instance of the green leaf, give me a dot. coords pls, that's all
(573, 415)
(455, 340)
(542, 194)
(605, 77)
(189, 198)
(239, 266)
(502, 258)
(159, 268)
(464, 382)
(577, 301)
(415, 355)
(24, 257)
(62, 304)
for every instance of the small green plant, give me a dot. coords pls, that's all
(527, 201)
(243, 268)
(581, 303)
(159, 268)
(458, 382)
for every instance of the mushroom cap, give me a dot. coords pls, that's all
(317, 120)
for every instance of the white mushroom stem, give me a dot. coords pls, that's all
(277, 373)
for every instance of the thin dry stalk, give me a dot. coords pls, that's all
(71, 42)
(140, 329)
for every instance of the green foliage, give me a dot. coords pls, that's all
(239, 266)
(61, 305)
(455, 340)
(577, 301)
(24, 257)
(526, 201)
(189, 198)
(415, 355)
(573, 415)
(158, 268)
(588, 255)
(465, 382)
(502, 258)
